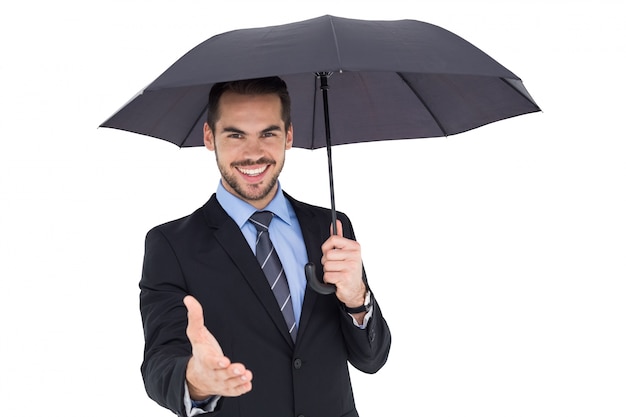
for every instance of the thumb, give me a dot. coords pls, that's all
(195, 319)
(339, 228)
(202, 341)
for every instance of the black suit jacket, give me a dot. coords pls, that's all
(206, 255)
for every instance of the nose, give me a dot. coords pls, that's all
(254, 148)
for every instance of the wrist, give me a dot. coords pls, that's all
(364, 307)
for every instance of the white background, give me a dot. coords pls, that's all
(499, 262)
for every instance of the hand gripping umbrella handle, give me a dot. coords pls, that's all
(315, 284)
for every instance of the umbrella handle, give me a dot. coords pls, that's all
(315, 284)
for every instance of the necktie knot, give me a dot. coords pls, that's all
(261, 220)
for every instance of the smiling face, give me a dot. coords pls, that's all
(250, 140)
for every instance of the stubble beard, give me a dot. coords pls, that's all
(253, 192)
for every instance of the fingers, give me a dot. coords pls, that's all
(340, 257)
(204, 381)
(234, 380)
(342, 261)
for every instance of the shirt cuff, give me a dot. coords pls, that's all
(366, 319)
(194, 408)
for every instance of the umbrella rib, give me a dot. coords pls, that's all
(419, 97)
(312, 146)
(332, 26)
(206, 106)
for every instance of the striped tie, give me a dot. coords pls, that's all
(273, 269)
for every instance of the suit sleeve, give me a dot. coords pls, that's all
(164, 316)
(368, 348)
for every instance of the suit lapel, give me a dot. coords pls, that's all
(310, 224)
(229, 236)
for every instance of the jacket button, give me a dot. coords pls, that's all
(297, 363)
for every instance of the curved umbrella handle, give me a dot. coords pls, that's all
(314, 283)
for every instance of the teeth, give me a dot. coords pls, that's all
(252, 172)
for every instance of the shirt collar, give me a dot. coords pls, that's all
(240, 211)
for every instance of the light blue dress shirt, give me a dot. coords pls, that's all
(285, 234)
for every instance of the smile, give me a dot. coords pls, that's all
(253, 172)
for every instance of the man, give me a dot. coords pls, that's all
(216, 339)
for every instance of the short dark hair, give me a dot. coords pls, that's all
(267, 85)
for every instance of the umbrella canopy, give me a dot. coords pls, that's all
(389, 80)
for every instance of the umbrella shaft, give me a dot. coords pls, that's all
(324, 88)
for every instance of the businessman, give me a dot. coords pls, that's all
(230, 326)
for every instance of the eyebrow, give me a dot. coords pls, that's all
(232, 129)
(270, 128)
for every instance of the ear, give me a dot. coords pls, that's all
(289, 141)
(209, 139)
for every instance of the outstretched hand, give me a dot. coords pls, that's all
(209, 372)
(343, 267)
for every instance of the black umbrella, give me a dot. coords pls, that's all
(389, 80)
